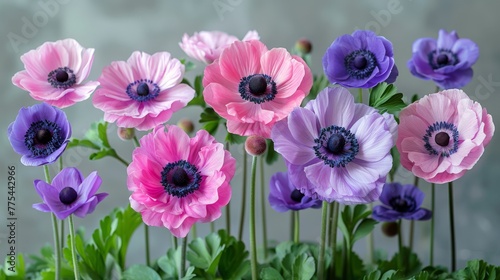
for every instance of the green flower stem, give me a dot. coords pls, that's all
(433, 202)
(253, 243)
(263, 201)
(73, 247)
(412, 222)
(322, 245)
(243, 195)
(174, 242)
(296, 230)
(228, 206)
(370, 242)
(116, 156)
(360, 95)
(400, 245)
(212, 226)
(194, 231)
(57, 245)
(60, 166)
(452, 228)
(182, 270)
(136, 141)
(146, 241)
(334, 218)
(292, 225)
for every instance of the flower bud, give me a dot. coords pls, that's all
(390, 229)
(303, 46)
(126, 133)
(255, 145)
(186, 125)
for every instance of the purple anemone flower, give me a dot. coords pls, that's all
(284, 196)
(447, 61)
(360, 60)
(69, 193)
(336, 149)
(401, 202)
(40, 134)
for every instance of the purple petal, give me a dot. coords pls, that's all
(413, 192)
(333, 106)
(393, 75)
(304, 126)
(457, 79)
(421, 214)
(42, 207)
(383, 214)
(390, 191)
(287, 146)
(467, 51)
(68, 177)
(446, 40)
(411, 66)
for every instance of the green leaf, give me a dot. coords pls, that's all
(102, 128)
(234, 138)
(128, 220)
(395, 163)
(234, 263)
(205, 253)
(414, 98)
(319, 83)
(363, 229)
(210, 119)
(271, 154)
(83, 143)
(385, 98)
(303, 267)
(103, 153)
(198, 99)
(170, 262)
(411, 264)
(140, 272)
(269, 273)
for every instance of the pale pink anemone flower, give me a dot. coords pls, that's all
(177, 181)
(142, 92)
(55, 71)
(206, 46)
(443, 135)
(253, 87)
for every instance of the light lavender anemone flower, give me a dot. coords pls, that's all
(284, 196)
(335, 149)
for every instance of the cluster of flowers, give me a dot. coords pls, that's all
(334, 148)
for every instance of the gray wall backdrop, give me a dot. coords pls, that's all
(117, 28)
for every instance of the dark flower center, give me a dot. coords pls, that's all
(442, 57)
(61, 78)
(143, 90)
(360, 64)
(257, 88)
(296, 196)
(336, 146)
(441, 138)
(68, 195)
(180, 178)
(403, 204)
(43, 138)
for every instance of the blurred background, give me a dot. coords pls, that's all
(117, 28)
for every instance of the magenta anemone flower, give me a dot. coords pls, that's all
(206, 46)
(253, 87)
(142, 92)
(55, 73)
(69, 193)
(40, 134)
(401, 202)
(447, 61)
(284, 196)
(443, 135)
(360, 60)
(335, 149)
(177, 181)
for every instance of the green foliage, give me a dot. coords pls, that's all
(395, 163)
(140, 272)
(478, 270)
(271, 154)
(198, 99)
(405, 261)
(294, 261)
(234, 138)
(355, 224)
(385, 98)
(210, 120)
(188, 65)
(96, 138)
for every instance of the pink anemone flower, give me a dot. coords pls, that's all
(55, 71)
(142, 92)
(177, 181)
(253, 87)
(206, 46)
(443, 135)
